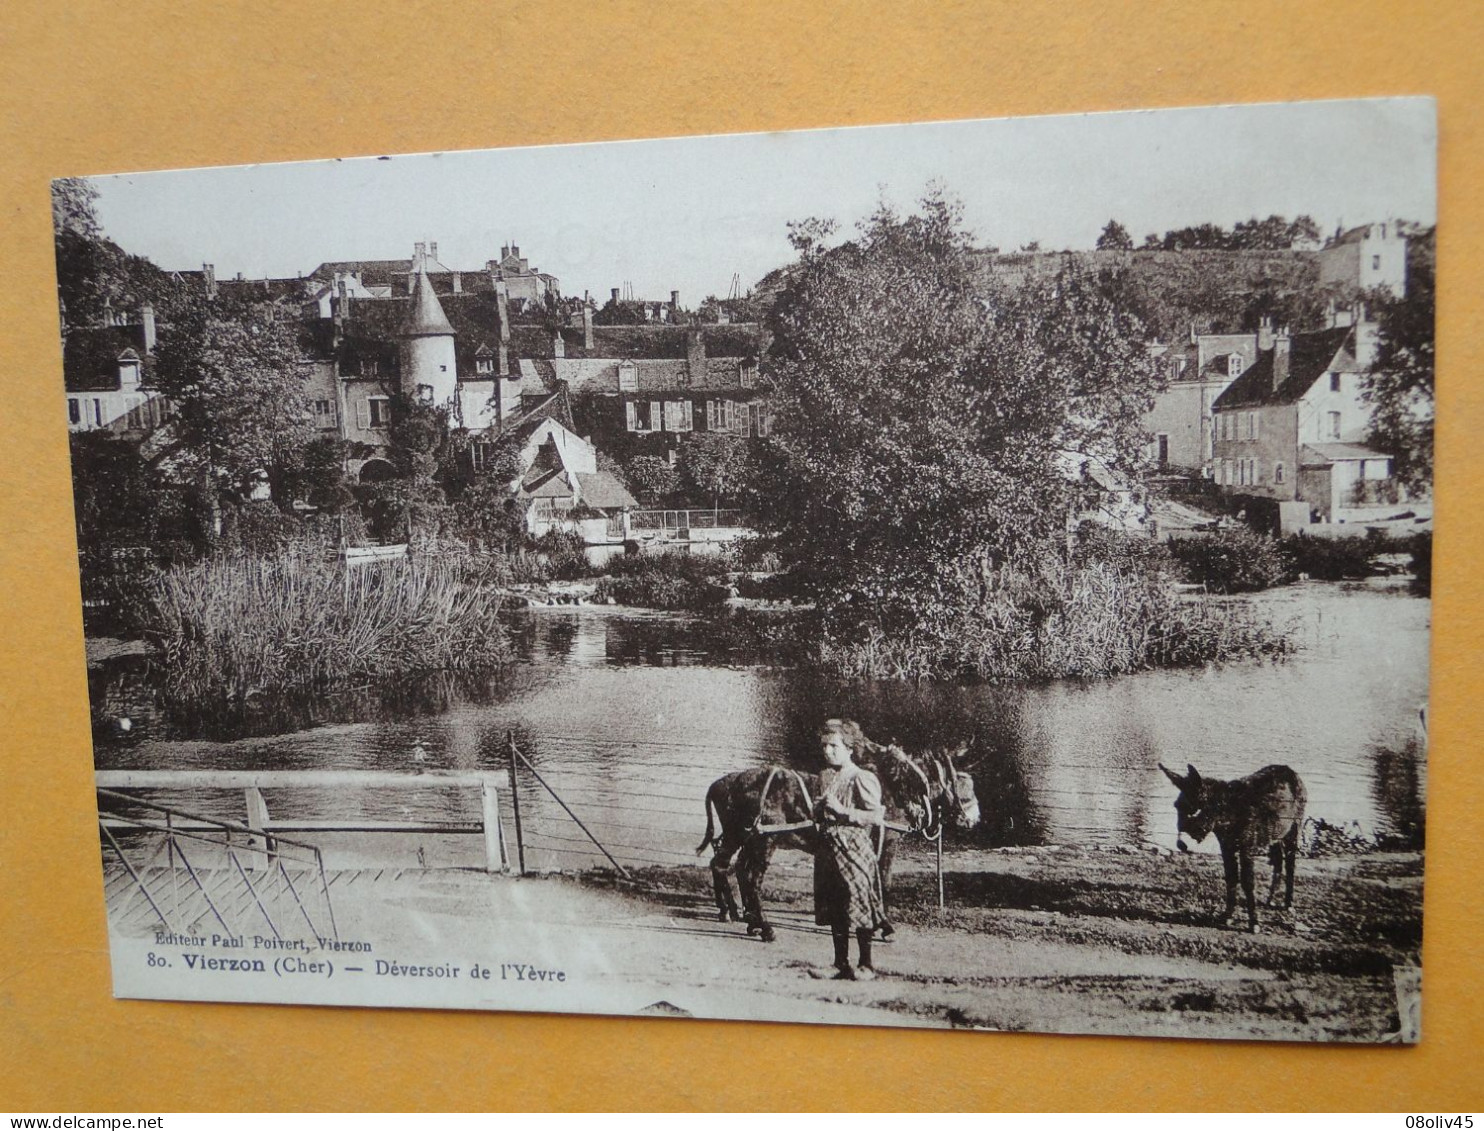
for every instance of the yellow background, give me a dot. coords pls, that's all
(89, 87)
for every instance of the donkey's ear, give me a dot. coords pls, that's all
(1195, 775)
(1173, 776)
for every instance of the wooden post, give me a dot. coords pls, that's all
(494, 840)
(257, 820)
(520, 840)
(942, 904)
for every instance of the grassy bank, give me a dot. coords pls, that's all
(230, 628)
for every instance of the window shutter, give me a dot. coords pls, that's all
(632, 415)
(1257, 425)
(656, 417)
(363, 415)
(687, 416)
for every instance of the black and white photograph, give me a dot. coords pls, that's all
(964, 574)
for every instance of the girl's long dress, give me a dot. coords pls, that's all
(847, 881)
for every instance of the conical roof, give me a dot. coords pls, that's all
(425, 317)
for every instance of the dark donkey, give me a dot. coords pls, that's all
(759, 811)
(1262, 810)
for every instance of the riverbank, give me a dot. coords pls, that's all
(1117, 941)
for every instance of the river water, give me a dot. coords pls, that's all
(629, 715)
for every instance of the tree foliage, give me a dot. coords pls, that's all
(924, 433)
(235, 375)
(1399, 385)
(1115, 237)
(714, 466)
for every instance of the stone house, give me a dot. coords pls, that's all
(1292, 428)
(1371, 256)
(107, 370)
(1199, 369)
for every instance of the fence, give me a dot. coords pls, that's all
(703, 519)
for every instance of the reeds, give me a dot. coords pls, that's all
(232, 628)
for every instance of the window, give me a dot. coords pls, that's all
(1177, 367)
(1233, 364)
(1375, 263)
(484, 365)
(1257, 425)
(640, 417)
(1278, 472)
(678, 416)
(425, 394)
(370, 367)
(1162, 449)
(74, 411)
(628, 375)
(748, 375)
(98, 412)
(379, 411)
(482, 453)
(761, 424)
(1333, 423)
(324, 413)
(720, 416)
(1334, 382)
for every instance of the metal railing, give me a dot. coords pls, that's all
(183, 893)
(260, 823)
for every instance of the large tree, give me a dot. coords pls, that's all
(235, 377)
(927, 433)
(1399, 385)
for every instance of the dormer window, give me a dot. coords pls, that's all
(1233, 365)
(484, 365)
(370, 368)
(628, 375)
(748, 373)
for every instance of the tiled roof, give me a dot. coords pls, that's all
(1318, 455)
(374, 327)
(90, 357)
(425, 315)
(602, 489)
(1310, 357)
(599, 377)
(664, 341)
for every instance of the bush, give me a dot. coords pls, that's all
(665, 581)
(1234, 559)
(1333, 559)
(1420, 547)
(1091, 619)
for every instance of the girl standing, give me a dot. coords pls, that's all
(847, 881)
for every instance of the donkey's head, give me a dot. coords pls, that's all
(955, 793)
(1194, 812)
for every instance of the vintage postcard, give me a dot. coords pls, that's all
(971, 574)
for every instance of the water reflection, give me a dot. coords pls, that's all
(631, 715)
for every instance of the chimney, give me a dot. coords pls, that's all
(502, 305)
(558, 345)
(695, 356)
(1365, 341)
(515, 250)
(587, 326)
(433, 251)
(504, 252)
(1193, 334)
(458, 282)
(1265, 332)
(147, 316)
(208, 270)
(675, 301)
(614, 293)
(107, 315)
(1281, 357)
